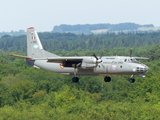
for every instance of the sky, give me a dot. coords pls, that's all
(45, 14)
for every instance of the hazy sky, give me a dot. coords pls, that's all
(45, 14)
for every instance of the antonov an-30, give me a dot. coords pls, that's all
(80, 65)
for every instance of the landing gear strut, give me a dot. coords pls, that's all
(132, 80)
(75, 79)
(107, 79)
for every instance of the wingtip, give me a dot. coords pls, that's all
(31, 28)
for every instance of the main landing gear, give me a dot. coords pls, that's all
(107, 79)
(75, 79)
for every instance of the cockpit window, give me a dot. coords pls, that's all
(126, 60)
(134, 60)
(130, 60)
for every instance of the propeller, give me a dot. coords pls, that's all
(98, 59)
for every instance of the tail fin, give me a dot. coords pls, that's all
(34, 46)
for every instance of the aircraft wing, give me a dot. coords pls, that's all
(61, 59)
(52, 59)
(141, 58)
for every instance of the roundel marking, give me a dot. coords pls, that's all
(35, 46)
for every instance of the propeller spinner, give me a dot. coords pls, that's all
(98, 59)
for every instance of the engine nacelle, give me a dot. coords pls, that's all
(89, 60)
(89, 63)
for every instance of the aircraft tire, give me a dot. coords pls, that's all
(107, 79)
(75, 79)
(131, 80)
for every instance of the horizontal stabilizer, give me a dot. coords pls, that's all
(20, 56)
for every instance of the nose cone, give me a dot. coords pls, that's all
(142, 68)
(146, 69)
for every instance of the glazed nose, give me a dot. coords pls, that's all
(143, 68)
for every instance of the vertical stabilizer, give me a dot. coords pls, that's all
(34, 46)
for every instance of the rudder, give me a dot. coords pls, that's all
(34, 46)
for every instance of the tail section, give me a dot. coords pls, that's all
(34, 46)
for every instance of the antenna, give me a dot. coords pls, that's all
(131, 52)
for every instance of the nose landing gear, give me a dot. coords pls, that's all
(132, 80)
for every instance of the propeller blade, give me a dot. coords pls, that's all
(102, 65)
(95, 56)
(98, 59)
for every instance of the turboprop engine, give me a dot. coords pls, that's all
(90, 62)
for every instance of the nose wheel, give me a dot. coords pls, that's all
(132, 80)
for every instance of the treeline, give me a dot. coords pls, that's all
(69, 42)
(87, 28)
(13, 33)
(30, 93)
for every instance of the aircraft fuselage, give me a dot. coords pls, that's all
(116, 65)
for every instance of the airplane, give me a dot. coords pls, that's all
(80, 65)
